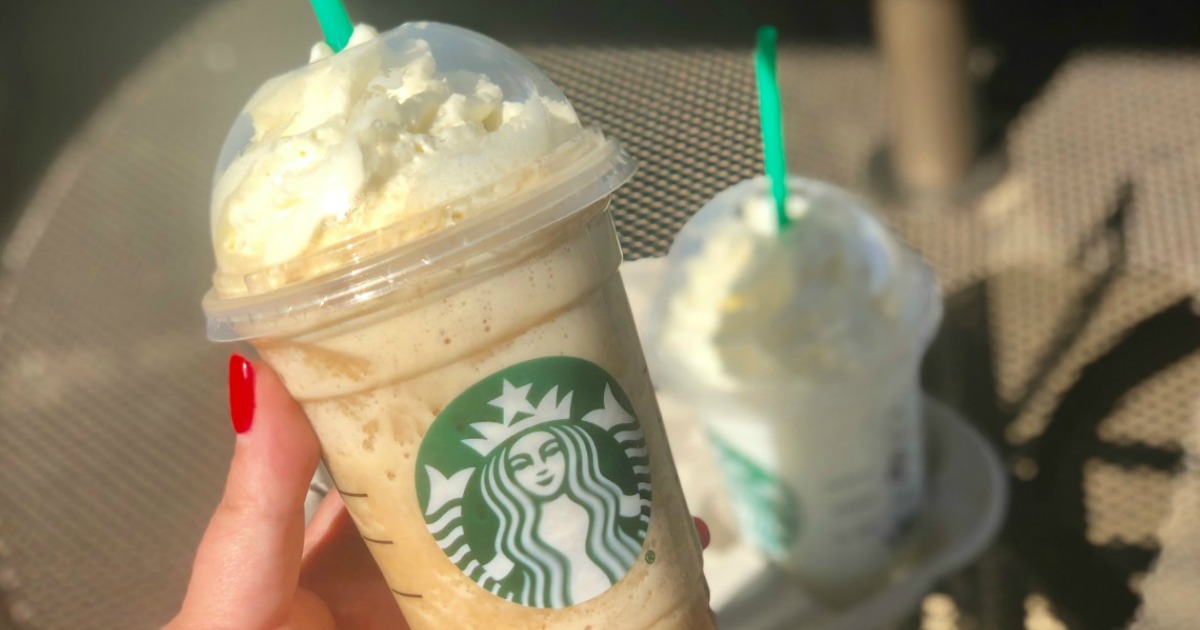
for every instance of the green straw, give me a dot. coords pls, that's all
(771, 118)
(334, 23)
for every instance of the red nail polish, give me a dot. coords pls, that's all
(241, 393)
(702, 530)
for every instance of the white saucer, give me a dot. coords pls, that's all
(967, 494)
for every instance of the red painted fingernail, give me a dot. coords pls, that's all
(241, 393)
(702, 529)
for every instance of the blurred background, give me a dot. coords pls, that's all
(1066, 246)
(47, 89)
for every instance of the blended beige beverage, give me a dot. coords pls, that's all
(415, 234)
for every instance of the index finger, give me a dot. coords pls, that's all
(248, 565)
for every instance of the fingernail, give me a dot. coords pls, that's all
(702, 530)
(241, 393)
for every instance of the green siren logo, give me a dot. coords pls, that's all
(536, 482)
(766, 508)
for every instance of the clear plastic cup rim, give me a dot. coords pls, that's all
(300, 306)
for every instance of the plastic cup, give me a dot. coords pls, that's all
(480, 394)
(814, 408)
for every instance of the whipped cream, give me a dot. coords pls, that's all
(370, 138)
(819, 300)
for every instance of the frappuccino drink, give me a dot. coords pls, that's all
(414, 232)
(800, 348)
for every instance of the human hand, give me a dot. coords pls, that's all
(258, 567)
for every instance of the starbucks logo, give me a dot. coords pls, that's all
(766, 508)
(536, 482)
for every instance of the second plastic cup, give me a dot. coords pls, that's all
(800, 353)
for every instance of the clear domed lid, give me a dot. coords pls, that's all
(420, 140)
(835, 293)
(454, 49)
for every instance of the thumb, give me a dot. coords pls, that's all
(248, 564)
